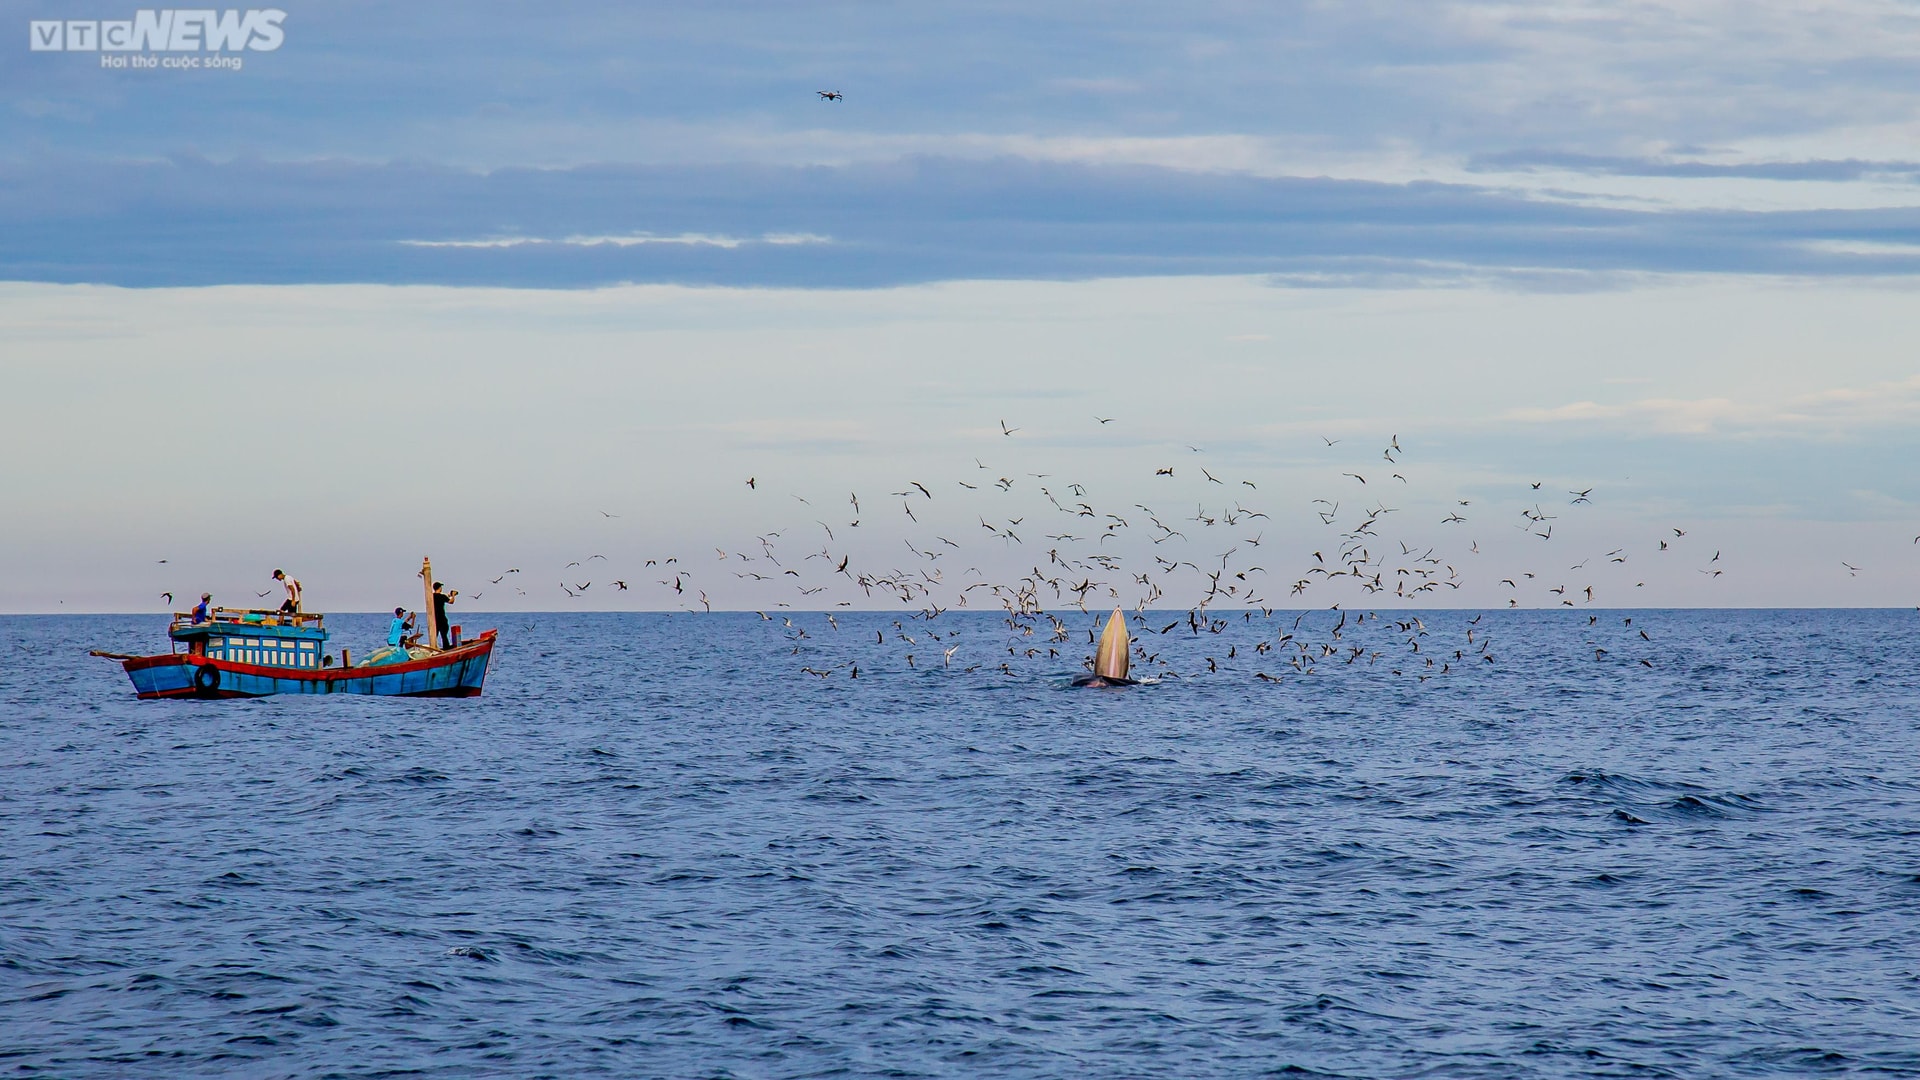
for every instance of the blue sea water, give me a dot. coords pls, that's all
(656, 847)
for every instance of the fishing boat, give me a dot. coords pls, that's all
(253, 653)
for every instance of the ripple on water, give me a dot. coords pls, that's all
(624, 861)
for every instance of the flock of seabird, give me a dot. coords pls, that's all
(1195, 571)
(1192, 571)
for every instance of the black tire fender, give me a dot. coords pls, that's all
(206, 680)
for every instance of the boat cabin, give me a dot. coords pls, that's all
(267, 638)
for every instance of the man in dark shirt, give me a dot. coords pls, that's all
(203, 611)
(440, 602)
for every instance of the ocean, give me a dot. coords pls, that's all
(660, 845)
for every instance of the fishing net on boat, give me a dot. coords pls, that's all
(392, 655)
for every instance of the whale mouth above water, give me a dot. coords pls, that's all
(1110, 661)
(1101, 681)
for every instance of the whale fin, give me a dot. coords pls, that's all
(1111, 661)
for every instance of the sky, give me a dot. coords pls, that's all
(519, 288)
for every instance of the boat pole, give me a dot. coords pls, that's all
(426, 583)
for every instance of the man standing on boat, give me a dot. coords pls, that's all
(440, 602)
(291, 605)
(203, 611)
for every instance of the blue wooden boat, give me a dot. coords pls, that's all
(253, 653)
(256, 653)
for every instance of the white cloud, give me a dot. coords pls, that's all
(1823, 413)
(629, 240)
(1373, 91)
(1385, 159)
(1665, 415)
(1863, 247)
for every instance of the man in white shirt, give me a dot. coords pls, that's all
(291, 605)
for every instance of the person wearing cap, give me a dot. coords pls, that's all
(440, 602)
(291, 605)
(203, 611)
(397, 633)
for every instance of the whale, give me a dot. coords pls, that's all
(1110, 660)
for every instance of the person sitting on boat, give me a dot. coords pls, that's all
(291, 605)
(398, 640)
(203, 611)
(440, 602)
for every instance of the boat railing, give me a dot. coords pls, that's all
(221, 617)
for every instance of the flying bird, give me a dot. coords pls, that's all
(829, 95)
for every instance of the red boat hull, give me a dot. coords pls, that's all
(458, 672)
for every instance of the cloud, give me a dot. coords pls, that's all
(1827, 413)
(1665, 415)
(631, 240)
(1893, 248)
(1552, 146)
(1599, 88)
(806, 435)
(191, 221)
(1694, 167)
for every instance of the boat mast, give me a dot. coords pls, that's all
(426, 584)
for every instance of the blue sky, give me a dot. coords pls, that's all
(976, 141)
(1675, 245)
